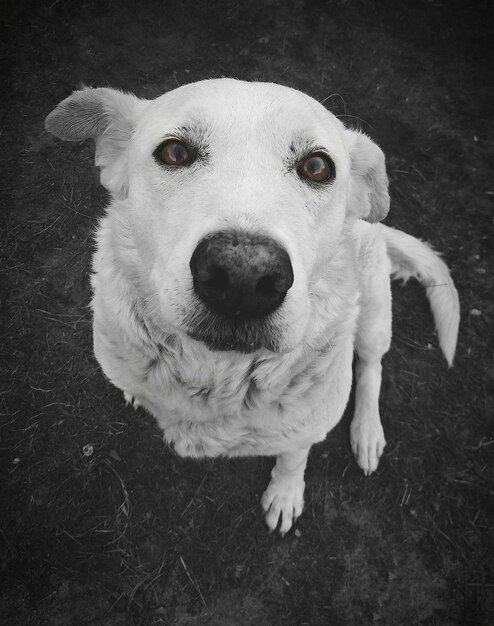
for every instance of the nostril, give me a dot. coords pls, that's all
(217, 279)
(267, 286)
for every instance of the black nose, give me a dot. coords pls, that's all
(240, 275)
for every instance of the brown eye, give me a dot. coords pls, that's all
(317, 168)
(174, 152)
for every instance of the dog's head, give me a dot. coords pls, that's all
(235, 196)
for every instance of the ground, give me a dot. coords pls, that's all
(101, 523)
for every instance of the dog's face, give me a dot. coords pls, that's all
(235, 196)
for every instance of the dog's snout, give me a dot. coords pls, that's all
(241, 275)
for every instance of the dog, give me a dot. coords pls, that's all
(240, 264)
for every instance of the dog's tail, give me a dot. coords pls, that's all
(413, 258)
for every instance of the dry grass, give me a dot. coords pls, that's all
(101, 522)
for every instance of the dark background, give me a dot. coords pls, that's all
(100, 522)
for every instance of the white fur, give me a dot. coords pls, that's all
(226, 402)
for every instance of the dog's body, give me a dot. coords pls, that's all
(234, 276)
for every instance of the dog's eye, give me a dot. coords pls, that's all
(173, 152)
(317, 168)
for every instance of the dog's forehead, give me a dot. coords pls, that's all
(241, 106)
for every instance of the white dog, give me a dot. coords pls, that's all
(234, 276)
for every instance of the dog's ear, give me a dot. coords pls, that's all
(368, 196)
(106, 115)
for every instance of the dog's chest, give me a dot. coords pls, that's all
(240, 404)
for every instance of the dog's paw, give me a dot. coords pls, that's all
(367, 441)
(285, 499)
(130, 400)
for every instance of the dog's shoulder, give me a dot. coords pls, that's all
(370, 249)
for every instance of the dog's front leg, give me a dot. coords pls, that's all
(366, 431)
(285, 493)
(371, 343)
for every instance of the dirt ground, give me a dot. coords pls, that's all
(101, 523)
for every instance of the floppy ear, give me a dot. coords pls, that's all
(108, 116)
(368, 196)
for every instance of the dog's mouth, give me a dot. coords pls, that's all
(221, 333)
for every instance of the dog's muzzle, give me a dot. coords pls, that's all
(241, 279)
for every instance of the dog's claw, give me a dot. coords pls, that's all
(130, 400)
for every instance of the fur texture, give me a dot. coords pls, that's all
(289, 391)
